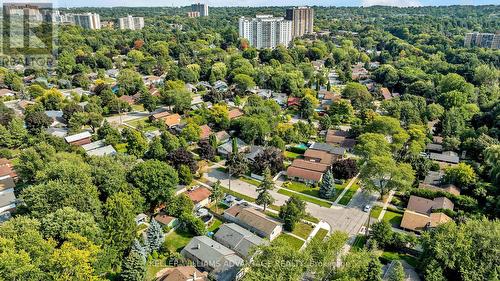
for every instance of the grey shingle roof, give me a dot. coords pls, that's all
(238, 239)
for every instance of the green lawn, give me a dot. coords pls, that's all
(388, 256)
(393, 218)
(177, 240)
(246, 198)
(376, 210)
(311, 219)
(250, 181)
(349, 194)
(359, 242)
(292, 155)
(312, 191)
(219, 209)
(305, 198)
(302, 230)
(292, 242)
(214, 225)
(153, 267)
(321, 234)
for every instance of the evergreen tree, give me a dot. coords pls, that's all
(234, 146)
(397, 272)
(154, 236)
(264, 198)
(212, 140)
(217, 194)
(327, 188)
(134, 267)
(373, 272)
(139, 248)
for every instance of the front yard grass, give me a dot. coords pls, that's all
(293, 242)
(359, 242)
(312, 191)
(388, 256)
(321, 234)
(250, 181)
(394, 218)
(349, 194)
(376, 212)
(177, 240)
(303, 230)
(305, 198)
(153, 267)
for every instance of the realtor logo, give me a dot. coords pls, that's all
(27, 29)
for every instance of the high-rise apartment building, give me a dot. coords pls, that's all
(193, 14)
(266, 31)
(302, 20)
(130, 22)
(484, 40)
(200, 8)
(88, 20)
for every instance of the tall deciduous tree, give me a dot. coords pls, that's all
(156, 180)
(382, 173)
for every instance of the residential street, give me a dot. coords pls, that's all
(344, 218)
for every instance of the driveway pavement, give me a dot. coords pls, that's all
(349, 218)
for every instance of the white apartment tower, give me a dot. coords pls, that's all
(88, 20)
(484, 40)
(302, 20)
(266, 31)
(130, 22)
(200, 8)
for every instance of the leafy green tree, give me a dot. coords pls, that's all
(327, 188)
(358, 95)
(453, 99)
(191, 132)
(454, 82)
(178, 205)
(264, 198)
(129, 82)
(243, 83)
(449, 251)
(137, 144)
(185, 176)
(149, 101)
(462, 175)
(46, 198)
(156, 150)
(382, 174)
(281, 256)
(169, 141)
(371, 144)
(156, 180)
(374, 270)
(492, 160)
(292, 212)
(59, 224)
(36, 121)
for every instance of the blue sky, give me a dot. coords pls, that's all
(402, 3)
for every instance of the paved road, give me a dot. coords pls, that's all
(344, 218)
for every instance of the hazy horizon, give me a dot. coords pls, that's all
(263, 3)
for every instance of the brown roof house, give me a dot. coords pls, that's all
(254, 221)
(165, 220)
(7, 169)
(235, 113)
(200, 196)
(182, 273)
(318, 156)
(206, 131)
(340, 138)
(419, 214)
(306, 171)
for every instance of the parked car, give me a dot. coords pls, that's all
(367, 208)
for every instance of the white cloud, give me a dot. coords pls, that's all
(394, 3)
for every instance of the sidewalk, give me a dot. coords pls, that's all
(386, 204)
(353, 180)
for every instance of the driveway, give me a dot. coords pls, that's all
(349, 218)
